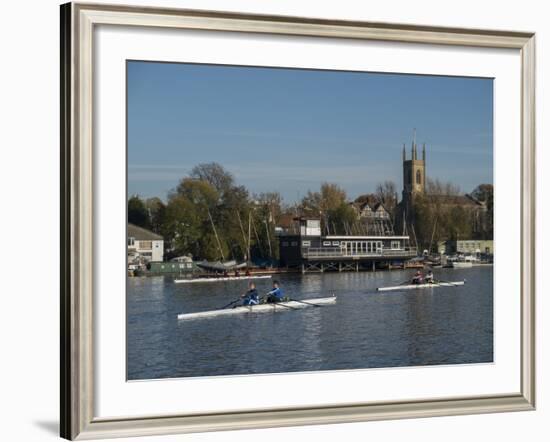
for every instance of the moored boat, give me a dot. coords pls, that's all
(461, 264)
(421, 286)
(260, 308)
(221, 278)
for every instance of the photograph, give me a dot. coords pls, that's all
(285, 220)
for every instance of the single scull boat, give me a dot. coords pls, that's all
(260, 308)
(421, 286)
(221, 278)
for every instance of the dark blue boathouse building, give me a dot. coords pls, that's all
(307, 249)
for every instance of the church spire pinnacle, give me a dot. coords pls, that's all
(414, 144)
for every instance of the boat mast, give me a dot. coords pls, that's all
(216, 235)
(244, 236)
(249, 224)
(258, 239)
(268, 239)
(433, 233)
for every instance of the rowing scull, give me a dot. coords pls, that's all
(221, 278)
(260, 308)
(421, 286)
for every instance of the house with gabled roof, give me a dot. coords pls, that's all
(144, 245)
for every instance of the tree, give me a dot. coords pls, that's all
(199, 192)
(329, 197)
(386, 193)
(214, 174)
(342, 218)
(436, 187)
(232, 219)
(192, 215)
(183, 226)
(484, 193)
(137, 212)
(330, 203)
(157, 213)
(267, 209)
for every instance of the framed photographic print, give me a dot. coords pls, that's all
(272, 221)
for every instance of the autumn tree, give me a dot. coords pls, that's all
(190, 220)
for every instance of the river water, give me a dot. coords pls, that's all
(364, 329)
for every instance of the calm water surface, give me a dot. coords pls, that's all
(364, 329)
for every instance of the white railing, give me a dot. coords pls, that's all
(327, 252)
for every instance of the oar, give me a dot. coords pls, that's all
(449, 282)
(231, 303)
(279, 303)
(304, 302)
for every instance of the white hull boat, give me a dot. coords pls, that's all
(462, 264)
(221, 278)
(260, 308)
(420, 286)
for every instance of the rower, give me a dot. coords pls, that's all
(251, 296)
(417, 278)
(429, 279)
(275, 295)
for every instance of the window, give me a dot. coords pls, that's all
(285, 243)
(418, 177)
(294, 243)
(146, 245)
(131, 241)
(326, 243)
(395, 245)
(306, 243)
(335, 243)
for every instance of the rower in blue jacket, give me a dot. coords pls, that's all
(275, 295)
(251, 296)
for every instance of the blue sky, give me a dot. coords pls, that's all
(289, 130)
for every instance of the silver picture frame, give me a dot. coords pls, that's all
(77, 173)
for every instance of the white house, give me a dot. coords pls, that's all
(146, 244)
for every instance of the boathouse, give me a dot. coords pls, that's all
(306, 248)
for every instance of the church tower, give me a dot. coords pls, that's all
(414, 171)
(414, 184)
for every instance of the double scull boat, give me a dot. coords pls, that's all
(421, 286)
(260, 308)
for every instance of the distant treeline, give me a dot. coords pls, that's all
(438, 218)
(210, 217)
